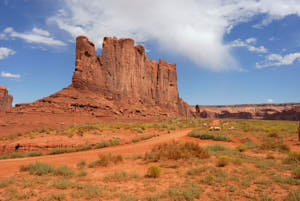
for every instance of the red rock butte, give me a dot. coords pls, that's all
(5, 99)
(121, 81)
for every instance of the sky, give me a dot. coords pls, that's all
(226, 51)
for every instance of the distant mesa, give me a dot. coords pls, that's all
(5, 99)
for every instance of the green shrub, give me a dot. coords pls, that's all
(81, 164)
(293, 196)
(209, 136)
(34, 154)
(296, 173)
(114, 142)
(270, 155)
(105, 160)
(241, 147)
(176, 151)
(120, 176)
(43, 168)
(153, 171)
(293, 157)
(274, 135)
(82, 173)
(146, 137)
(55, 151)
(102, 145)
(223, 161)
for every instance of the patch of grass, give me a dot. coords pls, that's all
(223, 161)
(63, 184)
(34, 154)
(270, 155)
(128, 198)
(293, 157)
(120, 176)
(274, 144)
(13, 155)
(114, 142)
(102, 145)
(188, 191)
(55, 151)
(241, 147)
(153, 171)
(210, 136)
(6, 182)
(87, 191)
(84, 147)
(293, 196)
(43, 169)
(146, 137)
(81, 164)
(176, 151)
(296, 173)
(105, 160)
(82, 173)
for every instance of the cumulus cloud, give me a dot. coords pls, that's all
(5, 52)
(192, 28)
(10, 75)
(270, 100)
(248, 44)
(279, 60)
(36, 35)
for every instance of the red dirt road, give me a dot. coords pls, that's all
(10, 167)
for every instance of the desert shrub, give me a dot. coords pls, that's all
(153, 171)
(87, 191)
(274, 135)
(293, 196)
(82, 173)
(120, 176)
(102, 145)
(13, 155)
(146, 137)
(84, 147)
(241, 147)
(270, 155)
(105, 160)
(128, 198)
(223, 161)
(273, 144)
(6, 181)
(43, 168)
(34, 153)
(61, 150)
(176, 151)
(63, 184)
(293, 157)
(188, 191)
(114, 142)
(296, 173)
(209, 136)
(81, 164)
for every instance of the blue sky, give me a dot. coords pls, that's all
(227, 52)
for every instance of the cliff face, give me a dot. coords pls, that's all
(121, 81)
(5, 99)
(285, 111)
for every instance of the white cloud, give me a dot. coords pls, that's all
(194, 29)
(279, 60)
(36, 35)
(5, 52)
(247, 43)
(270, 100)
(9, 75)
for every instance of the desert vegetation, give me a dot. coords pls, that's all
(257, 160)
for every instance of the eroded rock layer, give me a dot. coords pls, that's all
(5, 99)
(284, 111)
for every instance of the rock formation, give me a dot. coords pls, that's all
(121, 81)
(5, 99)
(284, 111)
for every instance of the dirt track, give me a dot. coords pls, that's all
(11, 166)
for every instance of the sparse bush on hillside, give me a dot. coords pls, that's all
(176, 151)
(293, 196)
(146, 137)
(223, 161)
(293, 157)
(296, 173)
(105, 160)
(273, 144)
(153, 171)
(241, 147)
(210, 136)
(43, 168)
